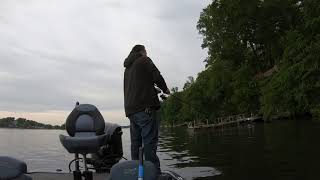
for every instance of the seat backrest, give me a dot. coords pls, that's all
(85, 119)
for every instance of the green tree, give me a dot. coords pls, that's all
(295, 88)
(262, 56)
(7, 122)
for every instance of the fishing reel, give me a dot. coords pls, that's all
(163, 96)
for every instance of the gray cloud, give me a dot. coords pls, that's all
(53, 53)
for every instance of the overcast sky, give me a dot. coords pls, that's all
(56, 52)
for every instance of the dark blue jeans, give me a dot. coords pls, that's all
(144, 129)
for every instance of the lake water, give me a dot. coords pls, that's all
(277, 150)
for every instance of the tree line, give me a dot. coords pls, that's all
(263, 57)
(11, 122)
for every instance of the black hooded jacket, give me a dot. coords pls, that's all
(140, 76)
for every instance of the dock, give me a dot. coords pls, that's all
(224, 121)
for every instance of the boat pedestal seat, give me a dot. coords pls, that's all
(85, 127)
(13, 169)
(83, 143)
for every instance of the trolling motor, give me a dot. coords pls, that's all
(110, 152)
(90, 135)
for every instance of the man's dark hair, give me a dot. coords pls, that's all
(138, 48)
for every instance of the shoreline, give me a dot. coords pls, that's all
(30, 128)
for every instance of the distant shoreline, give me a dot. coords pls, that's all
(31, 128)
(123, 127)
(22, 123)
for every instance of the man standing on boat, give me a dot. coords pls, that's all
(141, 102)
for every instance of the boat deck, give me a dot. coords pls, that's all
(166, 175)
(64, 176)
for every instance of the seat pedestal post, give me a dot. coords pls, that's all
(77, 174)
(76, 156)
(87, 175)
(85, 162)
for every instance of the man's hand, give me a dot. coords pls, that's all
(167, 91)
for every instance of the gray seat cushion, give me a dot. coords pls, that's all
(12, 169)
(83, 144)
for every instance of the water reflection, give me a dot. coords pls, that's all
(277, 150)
(175, 151)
